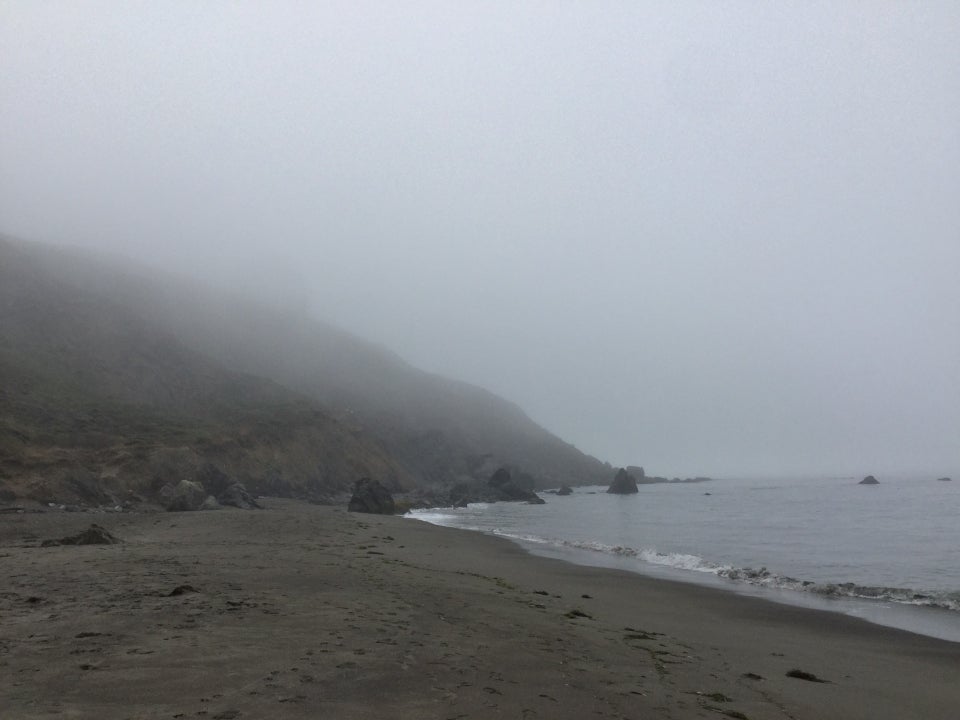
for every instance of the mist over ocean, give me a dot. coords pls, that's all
(887, 553)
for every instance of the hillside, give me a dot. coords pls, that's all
(130, 377)
(98, 404)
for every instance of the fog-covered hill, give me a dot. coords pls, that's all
(117, 378)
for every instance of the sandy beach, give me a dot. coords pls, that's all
(305, 611)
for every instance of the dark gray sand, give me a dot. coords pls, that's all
(300, 611)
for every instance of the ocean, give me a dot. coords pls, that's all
(888, 553)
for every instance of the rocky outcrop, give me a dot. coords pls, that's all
(183, 497)
(565, 490)
(86, 487)
(210, 503)
(93, 535)
(501, 487)
(236, 495)
(213, 479)
(623, 483)
(869, 480)
(212, 491)
(500, 478)
(943, 479)
(369, 496)
(509, 490)
(464, 493)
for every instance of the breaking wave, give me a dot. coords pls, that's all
(761, 577)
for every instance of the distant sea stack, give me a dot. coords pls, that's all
(623, 483)
(869, 480)
(943, 479)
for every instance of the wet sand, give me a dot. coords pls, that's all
(301, 611)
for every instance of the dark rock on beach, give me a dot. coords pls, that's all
(236, 495)
(213, 479)
(212, 490)
(210, 503)
(869, 480)
(623, 483)
(565, 490)
(93, 535)
(369, 496)
(803, 674)
(182, 590)
(184, 496)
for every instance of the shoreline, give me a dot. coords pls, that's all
(827, 567)
(929, 621)
(309, 611)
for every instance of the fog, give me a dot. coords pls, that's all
(708, 238)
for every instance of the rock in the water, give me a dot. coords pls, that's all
(184, 496)
(93, 535)
(623, 483)
(464, 493)
(943, 479)
(236, 495)
(869, 480)
(500, 487)
(565, 490)
(369, 496)
(509, 490)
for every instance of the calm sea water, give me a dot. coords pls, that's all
(889, 553)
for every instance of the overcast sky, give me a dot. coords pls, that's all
(706, 237)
